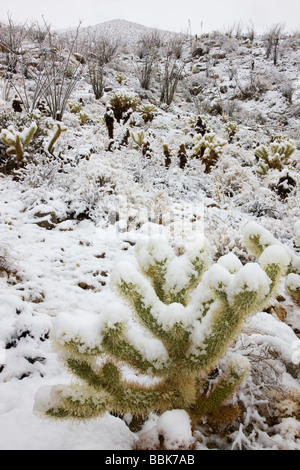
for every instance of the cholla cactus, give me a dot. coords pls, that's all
(59, 129)
(293, 279)
(231, 128)
(75, 106)
(139, 139)
(274, 156)
(121, 103)
(17, 141)
(208, 148)
(258, 239)
(186, 313)
(148, 112)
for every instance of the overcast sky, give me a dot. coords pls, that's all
(172, 15)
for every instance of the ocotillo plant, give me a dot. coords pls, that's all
(184, 314)
(17, 141)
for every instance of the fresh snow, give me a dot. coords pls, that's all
(109, 206)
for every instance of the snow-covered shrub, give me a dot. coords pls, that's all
(17, 141)
(123, 102)
(186, 313)
(274, 156)
(208, 149)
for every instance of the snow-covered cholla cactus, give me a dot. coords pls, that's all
(184, 314)
(17, 141)
(122, 102)
(293, 279)
(258, 239)
(208, 148)
(231, 128)
(139, 139)
(274, 156)
(148, 112)
(60, 128)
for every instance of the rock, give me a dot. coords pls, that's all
(219, 55)
(48, 220)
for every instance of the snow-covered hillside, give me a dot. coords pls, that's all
(69, 214)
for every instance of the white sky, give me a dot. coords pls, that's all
(172, 15)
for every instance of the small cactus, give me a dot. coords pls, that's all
(231, 128)
(60, 128)
(208, 149)
(17, 141)
(258, 239)
(274, 156)
(148, 112)
(139, 139)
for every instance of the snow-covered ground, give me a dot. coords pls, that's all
(62, 232)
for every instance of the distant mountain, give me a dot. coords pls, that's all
(127, 31)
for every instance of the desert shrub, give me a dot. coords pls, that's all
(171, 75)
(145, 70)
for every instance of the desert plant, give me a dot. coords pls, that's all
(272, 37)
(148, 112)
(75, 106)
(17, 141)
(60, 128)
(186, 315)
(182, 156)
(170, 78)
(293, 279)
(139, 139)
(121, 103)
(208, 149)
(257, 239)
(96, 77)
(274, 156)
(231, 129)
(145, 70)
(167, 155)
